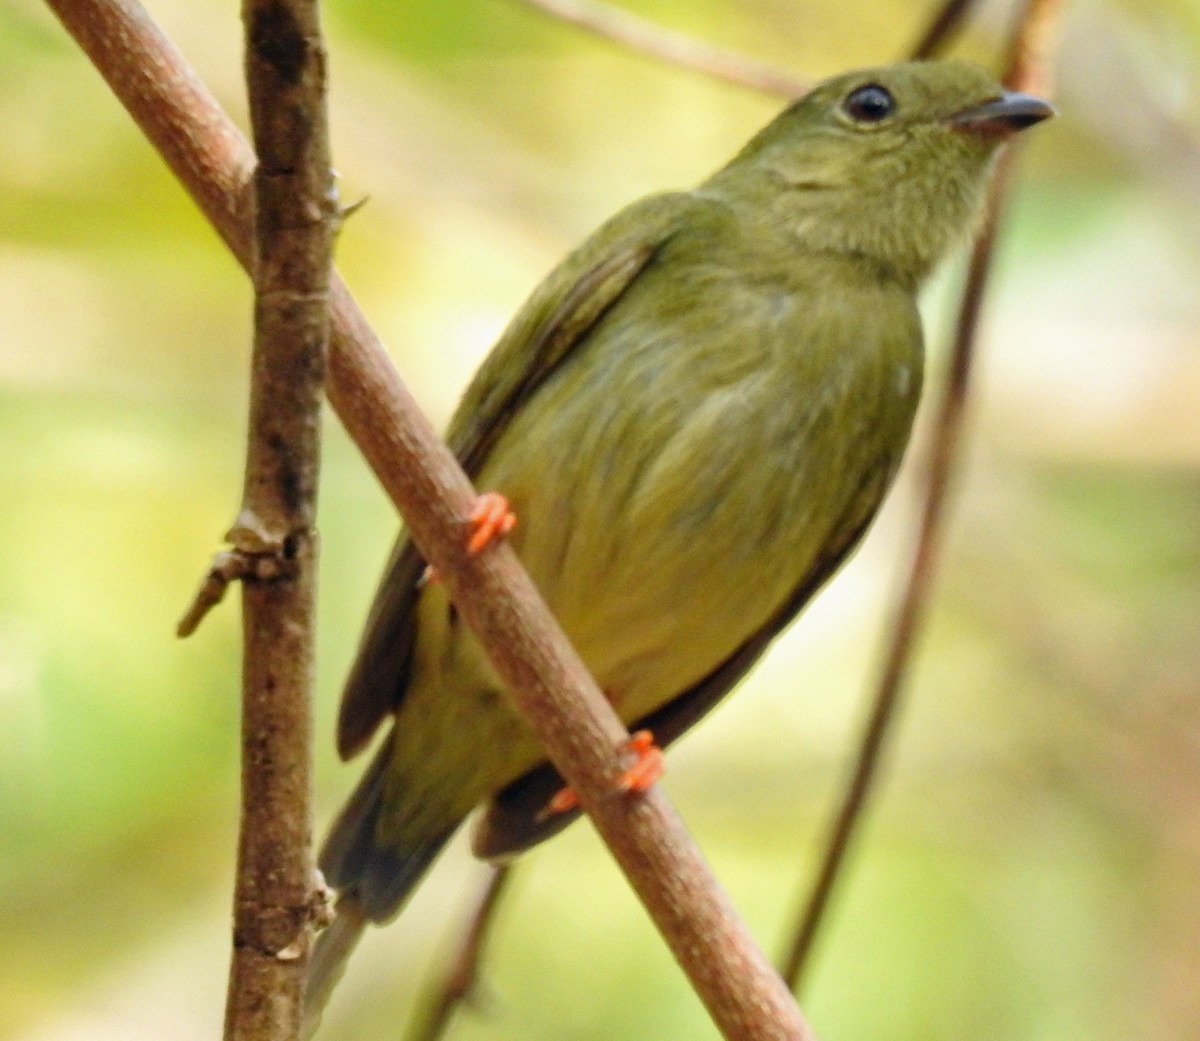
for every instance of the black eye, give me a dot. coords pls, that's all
(869, 104)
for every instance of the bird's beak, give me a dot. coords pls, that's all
(1005, 115)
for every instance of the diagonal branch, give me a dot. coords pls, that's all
(1031, 55)
(548, 683)
(457, 984)
(673, 48)
(942, 29)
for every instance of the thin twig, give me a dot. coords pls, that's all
(548, 683)
(910, 612)
(667, 45)
(942, 28)
(1031, 55)
(229, 566)
(276, 900)
(457, 984)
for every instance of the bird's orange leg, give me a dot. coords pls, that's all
(640, 777)
(489, 520)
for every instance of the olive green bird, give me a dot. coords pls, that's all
(695, 417)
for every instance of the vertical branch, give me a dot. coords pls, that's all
(1030, 58)
(275, 903)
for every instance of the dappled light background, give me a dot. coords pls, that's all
(1032, 867)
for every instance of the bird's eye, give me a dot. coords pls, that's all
(869, 104)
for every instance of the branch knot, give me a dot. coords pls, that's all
(238, 565)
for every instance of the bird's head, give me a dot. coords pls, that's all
(890, 163)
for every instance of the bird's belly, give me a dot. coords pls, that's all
(655, 588)
(672, 571)
(667, 520)
(651, 624)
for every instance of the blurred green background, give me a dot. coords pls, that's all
(1032, 869)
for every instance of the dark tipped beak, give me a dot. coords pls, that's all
(1005, 115)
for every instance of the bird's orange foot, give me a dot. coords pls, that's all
(640, 777)
(649, 767)
(489, 520)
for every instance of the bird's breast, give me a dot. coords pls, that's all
(677, 481)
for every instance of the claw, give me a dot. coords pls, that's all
(489, 520)
(562, 801)
(640, 777)
(644, 773)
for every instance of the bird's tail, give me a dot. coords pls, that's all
(373, 875)
(329, 957)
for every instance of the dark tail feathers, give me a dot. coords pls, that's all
(355, 864)
(372, 882)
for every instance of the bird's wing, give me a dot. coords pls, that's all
(555, 319)
(516, 818)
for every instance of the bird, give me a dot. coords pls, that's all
(692, 422)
